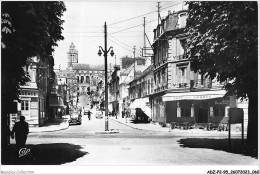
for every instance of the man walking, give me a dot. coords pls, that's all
(89, 114)
(21, 130)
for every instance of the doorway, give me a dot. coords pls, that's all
(203, 115)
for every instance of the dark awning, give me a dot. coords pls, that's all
(56, 101)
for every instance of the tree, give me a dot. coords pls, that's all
(28, 29)
(222, 44)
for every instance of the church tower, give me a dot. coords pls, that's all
(72, 55)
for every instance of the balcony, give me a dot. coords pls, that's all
(197, 84)
(180, 57)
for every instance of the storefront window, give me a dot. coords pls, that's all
(185, 112)
(219, 111)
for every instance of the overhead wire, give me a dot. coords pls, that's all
(119, 45)
(123, 43)
(143, 14)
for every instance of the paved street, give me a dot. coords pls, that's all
(81, 145)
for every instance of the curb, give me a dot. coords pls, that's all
(128, 125)
(186, 134)
(107, 132)
(52, 130)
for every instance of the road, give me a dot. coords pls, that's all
(80, 145)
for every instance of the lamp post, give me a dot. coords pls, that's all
(105, 51)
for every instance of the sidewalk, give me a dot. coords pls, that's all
(177, 132)
(56, 125)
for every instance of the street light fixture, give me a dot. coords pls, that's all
(105, 52)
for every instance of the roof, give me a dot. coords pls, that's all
(79, 66)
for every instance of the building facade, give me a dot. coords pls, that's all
(139, 91)
(87, 78)
(34, 95)
(113, 91)
(180, 94)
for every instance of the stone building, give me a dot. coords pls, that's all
(88, 77)
(34, 95)
(180, 94)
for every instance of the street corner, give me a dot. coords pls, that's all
(51, 128)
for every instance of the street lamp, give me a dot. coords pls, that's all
(105, 52)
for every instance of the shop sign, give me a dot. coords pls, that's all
(222, 101)
(34, 105)
(192, 97)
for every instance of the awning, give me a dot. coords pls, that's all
(201, 95)
(139, 103)
(56, 101)
(110, 107)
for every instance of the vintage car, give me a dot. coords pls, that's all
(85, 112)
(99, 114)
(75, 118)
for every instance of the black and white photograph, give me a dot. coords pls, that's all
(129, 87)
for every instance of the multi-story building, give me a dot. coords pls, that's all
(128, 71)
(139, 91)
(34, 96)
(56, 99)
(180, 94)
(68, 80)
(113, 100)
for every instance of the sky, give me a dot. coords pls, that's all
(84, 26)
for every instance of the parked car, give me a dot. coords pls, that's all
(75, 118)
(85, 112)
(99, 114)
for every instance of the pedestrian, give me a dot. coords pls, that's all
(20, 130)
(123, 113)
(89, 114)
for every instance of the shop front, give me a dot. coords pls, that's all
(31, 106)
(56, 106)
(197, 107)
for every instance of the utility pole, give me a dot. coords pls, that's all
(158, 12)
(116, 85)
(106, 90)
(105, 51)
(134, 62)
(115, 60)
(144, 38)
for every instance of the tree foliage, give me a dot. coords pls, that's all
(222, 43)
(28, 29)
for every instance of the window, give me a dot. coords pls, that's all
(24, 105)
(182, 22)
(184, 47)
(82, 79)
(183, 72)
(219, 111)
(139, 62)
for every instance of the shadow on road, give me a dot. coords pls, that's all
(44, 154)
(218, 144)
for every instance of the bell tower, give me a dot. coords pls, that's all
(72, 55)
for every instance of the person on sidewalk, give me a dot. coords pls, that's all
(89, 114)
(20, 130)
